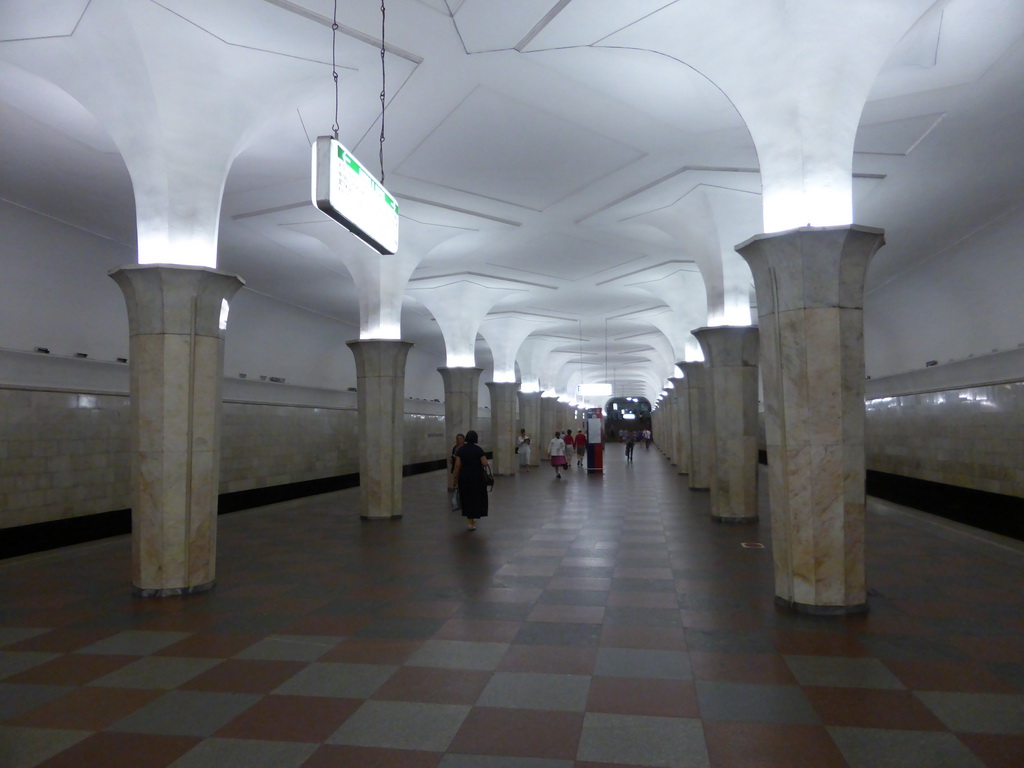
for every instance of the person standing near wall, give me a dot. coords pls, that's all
(471, 479)
(523, 449)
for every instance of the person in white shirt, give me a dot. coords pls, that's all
(556, 450)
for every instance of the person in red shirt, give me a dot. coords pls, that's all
(568, 448)
(580, 441)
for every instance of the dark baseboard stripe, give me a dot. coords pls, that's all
(40, 537)
(993, 512)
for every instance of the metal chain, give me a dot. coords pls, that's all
(383, 88)
(334, 68)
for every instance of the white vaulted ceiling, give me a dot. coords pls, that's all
(573, 152)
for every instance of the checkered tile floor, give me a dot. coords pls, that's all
(590, 621)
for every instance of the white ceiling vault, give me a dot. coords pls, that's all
(583, 163)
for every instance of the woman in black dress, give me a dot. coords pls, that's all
(471, 477)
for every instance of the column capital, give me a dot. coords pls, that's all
(379, 357)
(174, 299)
(728, 345)
(811, 267)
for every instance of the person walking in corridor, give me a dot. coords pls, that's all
(471, 479)
(556, 450)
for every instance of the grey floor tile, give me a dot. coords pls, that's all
(28, 747)
(134, 642)
(400, 628)
(13, 662)
(729, 641)
(649, 741)
(883, 748)
(11, 635)
(156, 672)
(346, 681)
(186, 713)
(458, 654)
(18, 698)
(755, 703)
(556, 633)
(643, 617)
(402, 725)
(977, 712)
(842, 672)
(251, 753)
(629, 662)
(911, 648)
(289, 648)
(523, 690)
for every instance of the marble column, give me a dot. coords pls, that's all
(529, 419)
(810, 287)
(548, 425)
(461, 401)
(698, 425)
(668, 432)
(730, 359)
(679, 413)
(503, 426)
(176, 370)
(380, 387)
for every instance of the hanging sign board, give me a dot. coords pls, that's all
(345, 191)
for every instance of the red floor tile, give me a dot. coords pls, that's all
(71, 669)
(358, 650)
(210, 645)
(633, 696)
(123, 750)
(87, 709)
(244, 676)
(331, 756)
(872, 708)
(770, 745)
(996, 750)
(491, 731)
(291, 718)
(759, 668)
(721, 620)
(1008, 648)
(422, 609)
(325, 626)
(549, 658)
(803, 643)
(434, 685)
(62, 640)
(651, 638)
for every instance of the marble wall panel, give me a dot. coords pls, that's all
(68, 454)
(971, 437)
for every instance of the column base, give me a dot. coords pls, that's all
(173, 591)
(380, 517)
(821, 610)
(744, 520)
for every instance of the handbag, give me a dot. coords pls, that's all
(456, 501)
(489, 479)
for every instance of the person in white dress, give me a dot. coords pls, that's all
(523, 449)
